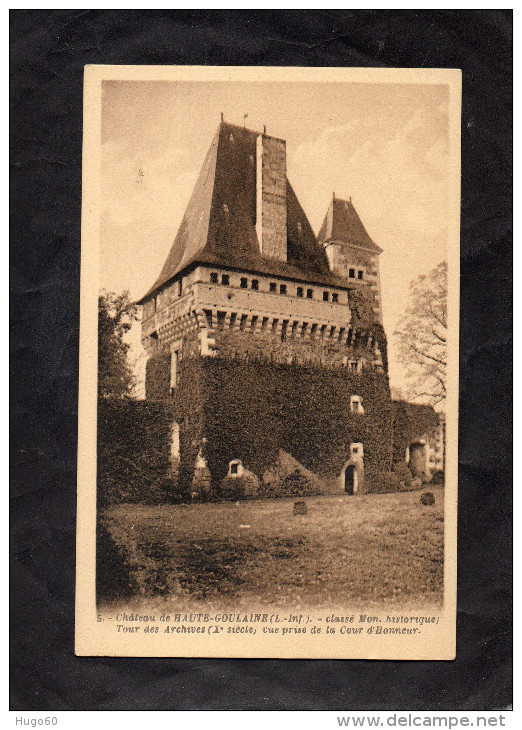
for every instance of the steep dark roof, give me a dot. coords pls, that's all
(343, 224)
(218, 227)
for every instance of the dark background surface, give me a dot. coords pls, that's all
(48, 52)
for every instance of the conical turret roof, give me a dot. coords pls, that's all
(343, 224)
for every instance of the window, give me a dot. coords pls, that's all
(355, 451)
(360, 274)
(282, 289)
(326, 296)
(351, 273)
(174, 444)
(225, 280)
(356, 406)
(335, 298)
(309, 293)
(273, 286)
(283, 330)
(243, 283)
(255, 284)
(213, 278)
(299, 291)
(234, 468)
(174, 362)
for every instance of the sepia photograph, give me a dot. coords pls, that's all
(269, 363)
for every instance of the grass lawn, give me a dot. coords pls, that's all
(375, 550)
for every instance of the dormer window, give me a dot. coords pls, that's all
(282, 289)
(299, 291)
(243, 283)
(351, 273)
(273, 286)
(309, 293)
(225, 280)
(326, 296)
(255, 284)
(213, 278)
(335, 298)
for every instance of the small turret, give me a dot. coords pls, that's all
(350, 251)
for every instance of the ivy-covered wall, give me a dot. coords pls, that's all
(411, 421)
(249, 410)
(157, 376)
(134, 445)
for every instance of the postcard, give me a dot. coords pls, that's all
(268, 402)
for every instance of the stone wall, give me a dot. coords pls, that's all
(271, 197)
(344, 259)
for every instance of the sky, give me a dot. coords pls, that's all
(385, 145)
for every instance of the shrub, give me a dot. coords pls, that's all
(383, 482)
(437, 478)
(134, 443)
(297, 484)
(113, 577)
(286, 477)
(239, 487)
(404, 474)
(416, 483)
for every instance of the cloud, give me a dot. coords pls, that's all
(139, 183)
(395, 173)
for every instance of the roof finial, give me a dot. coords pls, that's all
(264, 128)
(244, 119)
(334, 195)
(222, 117)
(350, 198)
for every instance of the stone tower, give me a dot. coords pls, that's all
(254, 320)
(350, 251)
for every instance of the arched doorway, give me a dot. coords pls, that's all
(350, 479)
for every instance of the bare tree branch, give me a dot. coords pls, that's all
(421, 336)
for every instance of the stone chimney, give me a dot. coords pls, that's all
(271, 197)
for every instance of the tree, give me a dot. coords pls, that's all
(116, 314)
(422, 333)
